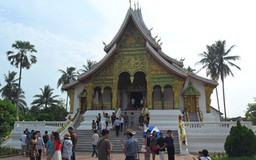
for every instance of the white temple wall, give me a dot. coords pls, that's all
(77, 90)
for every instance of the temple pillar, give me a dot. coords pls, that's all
(177, 93)
(208, 93)
(88, 87)
(162, 97)
(149, 92)
(71, 100)
(114, 97)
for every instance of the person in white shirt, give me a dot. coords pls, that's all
(40, 145)
(23, 143)
(95, 139)
(203, 155)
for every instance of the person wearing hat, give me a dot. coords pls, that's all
(130, 147)
(66, 149)
(203, 155)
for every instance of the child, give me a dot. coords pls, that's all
(93, 125)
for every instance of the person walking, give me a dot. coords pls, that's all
(40, 145)
(117, 124)
(23, 143)
(161, 146)
(147, 145)
(122, 123)
(49, 147)
(153, 145)
(141, 121)
(170, 145)
(113, 118)
(130, 147)
(45, 137)
(66, 150)
(56, 152)
(126, 120)
(106, 120)
(104, 146)
(73, 136)
(33, 152)
(95, 139)
(132, 117)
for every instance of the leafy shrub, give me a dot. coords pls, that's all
(8, 151)
(240, 142)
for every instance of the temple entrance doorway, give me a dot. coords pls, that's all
(136, 98)
(132, 90)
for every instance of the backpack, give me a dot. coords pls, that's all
(46, 138)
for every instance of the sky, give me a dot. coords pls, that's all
(68, 33)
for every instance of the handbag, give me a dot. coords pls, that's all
(154, 148)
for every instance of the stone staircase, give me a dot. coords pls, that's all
(193, 117)
(84, 143)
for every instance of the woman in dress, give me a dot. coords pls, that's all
(153, 145)
(56, 153)
(66, 147)
(147, 145)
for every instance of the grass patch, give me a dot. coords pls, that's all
(5, 151)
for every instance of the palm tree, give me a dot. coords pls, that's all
(86, 68)
(10, 91)
(21, 60)
(209, 63)
(46, 98)
(67, 77)
(224, 62)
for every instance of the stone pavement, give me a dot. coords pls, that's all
(115, 156)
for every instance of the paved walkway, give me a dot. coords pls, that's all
(115, 156)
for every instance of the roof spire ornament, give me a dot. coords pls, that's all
(138, 5)
(134, 5)
(130, 4)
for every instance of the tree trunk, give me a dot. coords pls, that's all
(224, 99)
(18, 94)
(67, 103)
(218, 103)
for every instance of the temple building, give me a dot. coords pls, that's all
(136, 73)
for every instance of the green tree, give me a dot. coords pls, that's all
(7, 117)
(10, 91)
(87, 67)
(46, 98)
(67, 77)
(251, 112)
(209, 62)
(224, 62)
(240, 142)
(21, 60)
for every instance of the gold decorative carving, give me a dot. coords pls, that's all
(89, 88)
(71, 100)
(208, 93)
(156, 68)
(177, 93)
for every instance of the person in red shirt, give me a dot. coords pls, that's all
(56, 153)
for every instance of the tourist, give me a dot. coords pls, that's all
(73, 136)
(33, 152)
(117, 124)
(113, 118)
(40, 145)
(98, 120)
(106, 120)
(203, 155)
(147, 145)
(49, 147)
(130, 147)
(153, 145)
(56, 152)
(141, 121)
(46, 137)
(147, 119)
(66, 150)
(132, 117)
(126, 120)
(29, 138)
(104, 146)
(122, 123)
(161, 146)
(23, 143)
(93, 125)
(170, 145)
(133, 103)
(95, 139)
